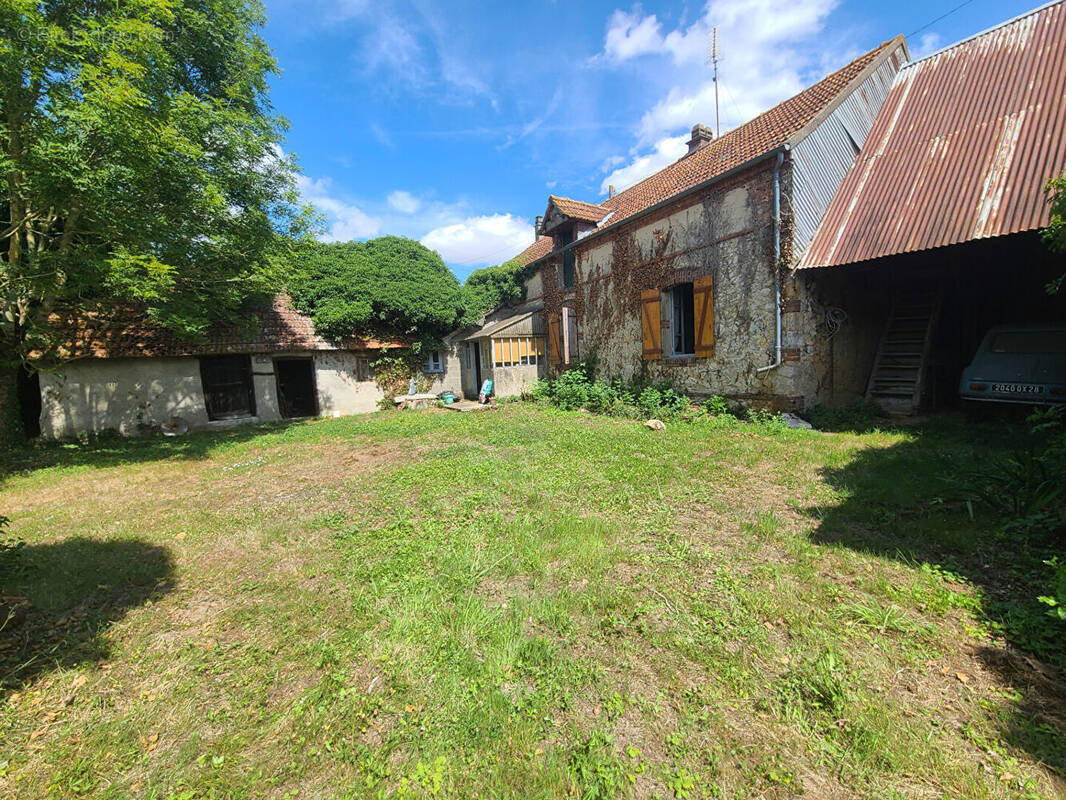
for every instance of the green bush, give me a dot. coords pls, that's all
(385, 287)
(577, 388)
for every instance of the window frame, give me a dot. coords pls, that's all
(241, 365)
(506, 351)
(682, 326)
(429, 367)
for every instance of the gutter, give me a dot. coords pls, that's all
(777, 262)
(779, 151)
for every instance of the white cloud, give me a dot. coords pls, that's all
(629, 36)
(765, 56)
(666, 152)
(345, 221)
(404, 202)
(480, 240)
(929, 43)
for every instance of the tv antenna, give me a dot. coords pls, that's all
(712, 57)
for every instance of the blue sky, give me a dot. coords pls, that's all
(451, 121)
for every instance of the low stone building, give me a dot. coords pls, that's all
(123, 375)
(508, 348)
(686, 276)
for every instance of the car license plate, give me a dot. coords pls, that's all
(1017, 388)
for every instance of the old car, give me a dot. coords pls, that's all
(1018, 364)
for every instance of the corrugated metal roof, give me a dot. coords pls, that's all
(528, 324)
(961, 149)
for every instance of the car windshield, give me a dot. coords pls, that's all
(1029, 342)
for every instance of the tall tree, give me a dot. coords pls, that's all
(140, 163)
(489, 287)
(389, 286)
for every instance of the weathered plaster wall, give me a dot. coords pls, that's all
(726, 232)
(451, 379)
(132, 395)
(122, 394)
(512, 381)
(340, 392)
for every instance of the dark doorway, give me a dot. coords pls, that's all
(227, 382)
(29, 394)
(474, 354)
(296, 387)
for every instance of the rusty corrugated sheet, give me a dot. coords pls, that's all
(961, 149)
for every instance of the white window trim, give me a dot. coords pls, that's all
(429, 366)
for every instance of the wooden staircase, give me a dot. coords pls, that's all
(896, 382)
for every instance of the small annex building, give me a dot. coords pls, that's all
(118, 373)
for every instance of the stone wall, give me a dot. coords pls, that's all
(726, 232)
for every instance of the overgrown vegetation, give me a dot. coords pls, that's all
(524, 603)
(1055, 232)
(381, 288)
(577, 388)
(1026, 488)
(487, 288)
(142, 165)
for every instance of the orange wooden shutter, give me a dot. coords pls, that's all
(652, 324)
(703, 302)
(497, 352)
(555, 340)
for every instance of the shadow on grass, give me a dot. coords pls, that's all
(904, 502)
(115, 450)
(76, 590)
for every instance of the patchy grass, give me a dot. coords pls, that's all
(522, 603)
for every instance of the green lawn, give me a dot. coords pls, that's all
(523, 604)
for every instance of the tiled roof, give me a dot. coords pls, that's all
(961, 149)
(538, 249)
(125, 333)
(780, 125)
(578, 209)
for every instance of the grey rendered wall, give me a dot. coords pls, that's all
(123, 394)
(133, 395)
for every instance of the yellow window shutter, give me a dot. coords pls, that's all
(497, 352)
(555, 340)
(651, 323)
(703, 302)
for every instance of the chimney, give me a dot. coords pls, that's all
(701, 135)
(610, 191)
(536, 230)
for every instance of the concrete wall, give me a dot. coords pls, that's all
(451, 379)
(134, 395)
(126, 395)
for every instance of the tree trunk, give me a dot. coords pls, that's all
(10, 420)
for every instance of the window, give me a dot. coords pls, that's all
(568, 269)
(227, 383)
(517, 351)
(683, 320)
(434, 363)
(566, 275)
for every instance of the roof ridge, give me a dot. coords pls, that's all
(979, 34)
(751, 122)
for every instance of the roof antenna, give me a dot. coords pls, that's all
(712, 57)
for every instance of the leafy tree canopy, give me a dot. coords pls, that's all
(388, 286)
(140, 161)
(487, 288)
